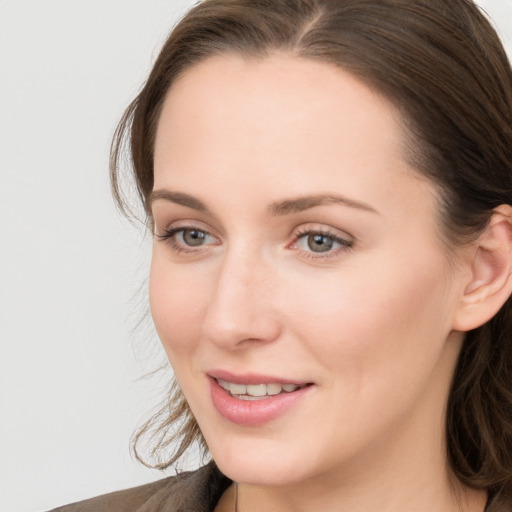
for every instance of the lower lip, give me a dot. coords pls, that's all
(253, 412)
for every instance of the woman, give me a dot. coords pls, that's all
(328, 183)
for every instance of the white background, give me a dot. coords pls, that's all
(72, 271)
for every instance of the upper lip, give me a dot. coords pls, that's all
(253, 378)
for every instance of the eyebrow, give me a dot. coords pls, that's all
(300, 204)
(178, 198)
(275, 209)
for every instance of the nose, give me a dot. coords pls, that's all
(242, 308)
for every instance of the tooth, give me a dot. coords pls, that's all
(253, 398)
(273, 389)
(238, 389)
(256, 389)
(223, 384)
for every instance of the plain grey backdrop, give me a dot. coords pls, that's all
(70, 266)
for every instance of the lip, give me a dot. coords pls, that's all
(253, 378)
(253, 413)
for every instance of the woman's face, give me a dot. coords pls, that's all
(299, 283)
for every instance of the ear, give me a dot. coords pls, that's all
(490, 280)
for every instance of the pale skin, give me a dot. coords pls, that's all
(373, 316)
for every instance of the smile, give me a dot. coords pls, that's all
(252, 402)
(256, 391)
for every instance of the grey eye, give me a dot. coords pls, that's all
(193, 237)
(320, 243)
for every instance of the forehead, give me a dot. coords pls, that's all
(280, 126)
(276, 101)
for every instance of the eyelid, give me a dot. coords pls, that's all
(344, 239)
(182, 224)
(167, 235)
(169, 232)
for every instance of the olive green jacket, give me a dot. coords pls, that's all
(195, 491)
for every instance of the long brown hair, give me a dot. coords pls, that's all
(443, 67)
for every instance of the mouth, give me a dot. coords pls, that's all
(257, 391)
(254, 400)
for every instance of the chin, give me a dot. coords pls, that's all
(267, 473)
(261, 462)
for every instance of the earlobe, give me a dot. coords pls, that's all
(490, 283)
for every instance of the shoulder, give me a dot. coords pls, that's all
(193, 491)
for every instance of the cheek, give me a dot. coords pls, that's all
(379, 339)
(178, 300)
(375, 322)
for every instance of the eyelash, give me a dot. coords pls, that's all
(345, 244)
(168, 236)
